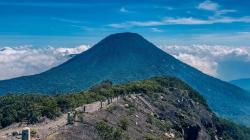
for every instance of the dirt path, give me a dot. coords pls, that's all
(50, 126)
(42, 128)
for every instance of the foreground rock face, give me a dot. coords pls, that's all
(169, 114)
(157, 108)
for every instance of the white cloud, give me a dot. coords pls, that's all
(208, 58)
(186, 21)
(212, 20)
(181, 21)
(69, 51)
(202, 63)
(136, 23)
(28, 60)
(208, 5)
(124, 10)
(219, 16)
(214, 7)
(157, 30)
(164, 7)
(223, 12)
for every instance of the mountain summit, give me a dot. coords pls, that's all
(126, 57)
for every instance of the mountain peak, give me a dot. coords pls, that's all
(124, 40)
(124, 35)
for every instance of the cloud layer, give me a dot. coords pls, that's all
(183, 21)
(225, 62)
(28, 60)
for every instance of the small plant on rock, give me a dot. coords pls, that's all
(123, 123)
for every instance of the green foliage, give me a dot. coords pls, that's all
(117, 134)
(231, 131)
(161, 124)
(152, 137)
(132, 110)
(104, 130)
(30, 107)
(107, 132)
(123, 123)
(153, 96)
(131, 107)
(150, 119)
(111, 108)
(33, 107)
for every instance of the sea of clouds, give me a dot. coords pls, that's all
(224, 62)
(28, 60)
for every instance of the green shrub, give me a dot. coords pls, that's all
(151, 137)
(161, 124)
(117, 134)
(123, 123)
(150, 119)
(104, 130)
(107, 132)
(111, 108)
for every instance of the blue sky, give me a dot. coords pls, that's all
(211, 35)
(73, 22)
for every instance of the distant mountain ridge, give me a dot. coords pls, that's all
(126, 57)
(242, 83)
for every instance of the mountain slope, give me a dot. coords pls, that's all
(158, 108)
(243, 83)
(126, 57)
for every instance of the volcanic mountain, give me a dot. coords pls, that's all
(126, 57)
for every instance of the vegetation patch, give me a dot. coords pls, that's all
(33, 108)
(107, 132)
(123, 123)
(161, 124)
